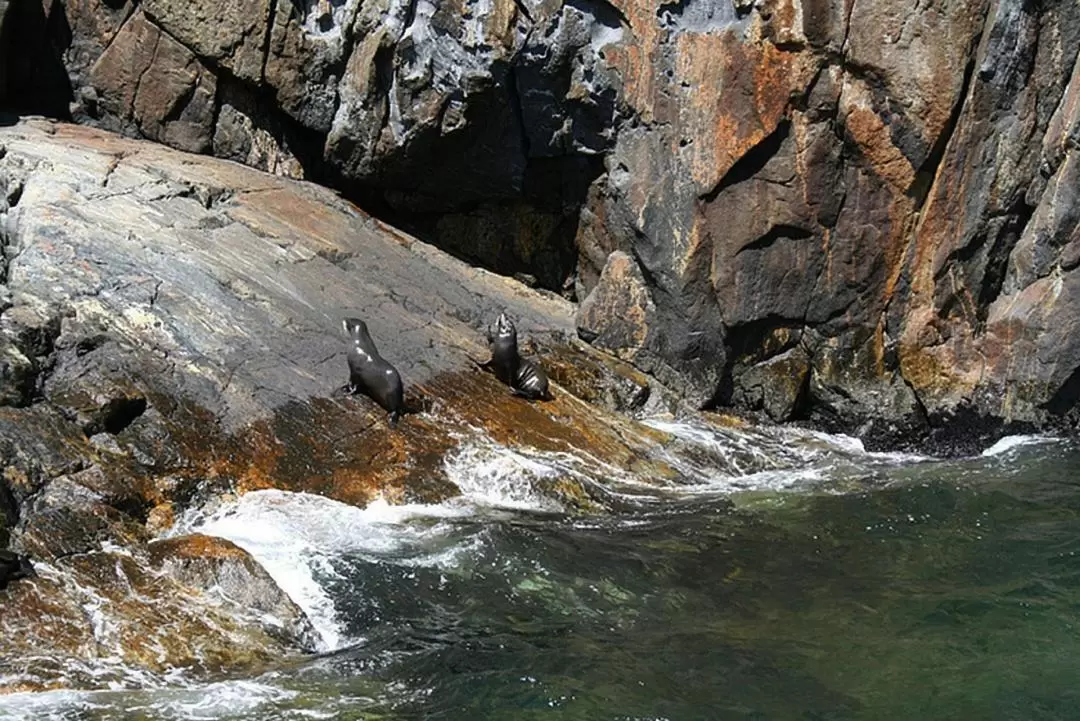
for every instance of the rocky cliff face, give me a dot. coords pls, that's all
(855, 211)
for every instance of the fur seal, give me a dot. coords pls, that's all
(14, 566)
(370, 373)
(524, 377)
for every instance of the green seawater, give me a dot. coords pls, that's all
(926, 590)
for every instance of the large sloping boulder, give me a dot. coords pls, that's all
(173, 333)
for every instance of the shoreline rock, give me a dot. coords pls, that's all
(173, 326)
(180, 316)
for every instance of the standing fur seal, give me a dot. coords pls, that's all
(370, 373)
(524, 377)
(14, 566)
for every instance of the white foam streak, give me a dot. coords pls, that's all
(194, 703)
(228, 698)
(720, 459)
(294, 536)
(491, 475)
(1011, 443)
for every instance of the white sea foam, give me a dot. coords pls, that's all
(226, 698)
(719, 459)
(295, 536)
(495, 476)
(1010, 443)
(851, 447)
(268, 528)
(196, 702)
(47, 705)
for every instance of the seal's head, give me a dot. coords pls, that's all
(503, 329)
(354, 327)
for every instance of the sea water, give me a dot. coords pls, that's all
(786, 575)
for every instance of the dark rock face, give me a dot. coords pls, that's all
(620, 316)
(13, 567)
(148, 83)
(870, 204)
(5, 8)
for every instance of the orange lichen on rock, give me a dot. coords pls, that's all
(565, 424)
(197, 546)
(874, 140)
(714, 69)
(343, 449)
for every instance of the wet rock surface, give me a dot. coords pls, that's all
(220, 567)
(180, 317)
(89, 619)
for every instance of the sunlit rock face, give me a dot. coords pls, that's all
(854, 212)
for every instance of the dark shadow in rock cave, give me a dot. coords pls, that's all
(37, 82)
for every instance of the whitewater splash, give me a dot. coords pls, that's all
(1009, 444)
(208, 701)
(296, 537)
(718, 459)
(494, 476)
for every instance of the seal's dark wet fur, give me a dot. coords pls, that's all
(524, 377)
(370, 373)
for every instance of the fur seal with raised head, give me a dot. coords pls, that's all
(370, 373)
(524, 377)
